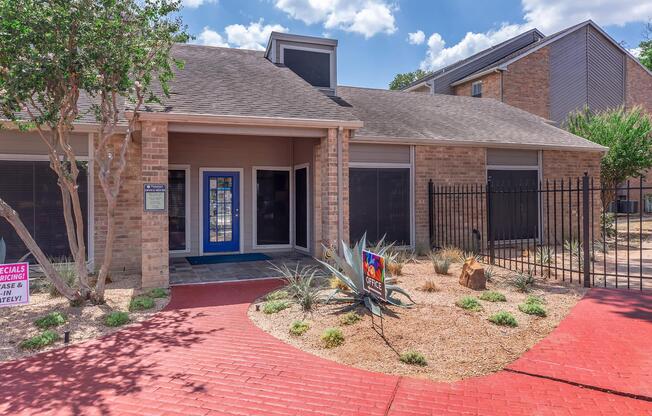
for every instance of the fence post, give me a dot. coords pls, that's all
(490, 234)
(431, 225)
(586, 230)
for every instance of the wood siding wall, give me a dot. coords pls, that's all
(606, 75)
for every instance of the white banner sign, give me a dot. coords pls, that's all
(14, 284)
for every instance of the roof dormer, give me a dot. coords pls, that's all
(313, 59)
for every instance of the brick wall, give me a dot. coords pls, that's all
(126, 250)
(526, 83)
(445, 165)
(638, 86)
(490, 87)
(154, 169)
(326, 209)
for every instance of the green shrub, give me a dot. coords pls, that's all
(523, 281)
(332, 337)
(39, 341)
(68, 272)
(491, 296)
(277, 295)
(350, 318)
(414, 358)
(303, 285)
(275, 306)
(141, 303)
(532, 309)
(503, 318)
(469, 303)
(299, 328)
(157, 293)
(531, 300)
(51, 320)
(116, 318)
(489, 273)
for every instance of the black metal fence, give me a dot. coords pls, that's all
(557, 229)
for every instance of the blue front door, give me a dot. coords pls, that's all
(221, 211)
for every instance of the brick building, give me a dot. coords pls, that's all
(262, 152)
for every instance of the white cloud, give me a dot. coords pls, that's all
(193, 4)
(416, 38)
(548, 16)
(254, 36)
(366, 17)
(211, 38)
(635, 51)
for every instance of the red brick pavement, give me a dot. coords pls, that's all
(202, 356)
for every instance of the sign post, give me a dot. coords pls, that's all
(373, 269)
(14, 284)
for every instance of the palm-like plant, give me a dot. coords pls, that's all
(304, 285)
(348, 269)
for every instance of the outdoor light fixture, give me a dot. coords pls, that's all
(66, 337)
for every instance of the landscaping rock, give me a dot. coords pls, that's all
(472, 275)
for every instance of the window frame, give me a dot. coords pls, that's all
(90, 192)
(305, 166)
(332, 67)
(393, 165)
(254, 209)
(473, 85)
(185, 168)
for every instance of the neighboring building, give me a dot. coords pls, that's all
(263, 151)
(550, 76)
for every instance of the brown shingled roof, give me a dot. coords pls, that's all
(405, 117)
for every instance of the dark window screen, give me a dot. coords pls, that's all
(31, 189)
(380, 204)
(514, 211)
(273, 207)
(301, 207)
(177, 209)
(314, 67)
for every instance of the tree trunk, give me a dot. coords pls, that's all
(79, 255)
(100, 285)
(50, 272)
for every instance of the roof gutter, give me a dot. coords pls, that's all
(77, 127)
(248, 120)
(474, 143)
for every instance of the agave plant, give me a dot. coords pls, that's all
(303, 285)
(348, 269)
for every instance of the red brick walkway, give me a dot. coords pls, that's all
(202, 356)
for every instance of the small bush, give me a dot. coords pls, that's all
(531, 300)
(449, 253)
(532, 309)
(350, 318)
(441, 263)
(277, 295)
(395, 268)
(489, 273)
(336, 283)
(68, 272)
(467, 255)
(51, 320)
(303, 285)
(157, 293)
(299, 328)
(429, 286)
(503, 318)
(141, 303)
(116, 318)
(544, 255)
(413, 358)
(332, 337)
(469, 303)
(523, 281)
(275, 306)
(491, 296)
(39, 341)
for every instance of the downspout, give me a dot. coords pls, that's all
(340, 211)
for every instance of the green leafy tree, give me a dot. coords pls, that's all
(61, 60)
(628, 135)
(403, 80)
(646, 47)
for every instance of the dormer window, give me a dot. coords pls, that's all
(313, 59)
(476, 89)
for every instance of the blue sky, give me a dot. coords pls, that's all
(378, 38)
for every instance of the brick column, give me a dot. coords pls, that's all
(154, 229)
(326, 209)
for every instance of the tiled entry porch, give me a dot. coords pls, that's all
(183, 273)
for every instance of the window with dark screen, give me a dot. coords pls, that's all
(272, 207)
(380, 204)
(314, 67)
(31, 188)
(177, 209)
